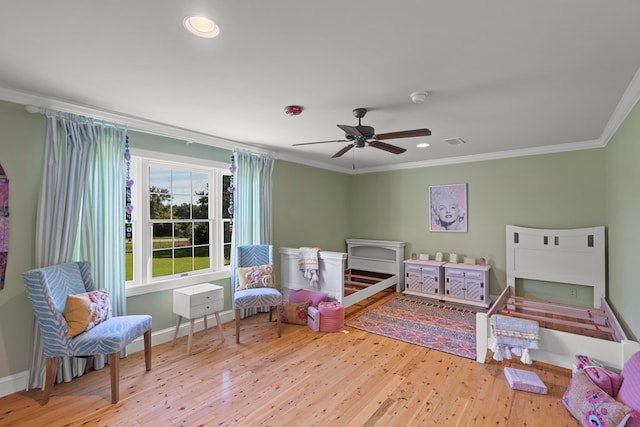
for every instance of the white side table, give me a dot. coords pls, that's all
(198, 301)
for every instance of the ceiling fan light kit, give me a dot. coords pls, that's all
(361, 136)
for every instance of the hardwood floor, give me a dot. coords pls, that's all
(302, 379)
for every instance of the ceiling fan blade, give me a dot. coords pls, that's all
(341, 152)
(318, 142)
(387, 147)
(404, 134)
(350, 130)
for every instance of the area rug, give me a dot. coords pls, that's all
(443, 326)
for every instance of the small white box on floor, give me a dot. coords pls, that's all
(519, 379)
(313, 319)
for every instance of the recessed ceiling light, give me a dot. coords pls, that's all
(201, 26)
(423, 145)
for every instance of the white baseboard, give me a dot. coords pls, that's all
(18, 382)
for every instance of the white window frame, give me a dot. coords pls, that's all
(142, 282)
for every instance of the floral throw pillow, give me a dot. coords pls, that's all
(592, 406)
(260, 276)
(85, 311)
(294, 312)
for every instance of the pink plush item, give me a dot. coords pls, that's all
(629, 393)
(608, 381)
(331, 316)
(302, 295)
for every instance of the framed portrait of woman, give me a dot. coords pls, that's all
(448, 208)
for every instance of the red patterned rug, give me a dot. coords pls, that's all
(426, 322)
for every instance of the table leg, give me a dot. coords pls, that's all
(175, 334)
(219, 325)
(205, 323)
(190, 339)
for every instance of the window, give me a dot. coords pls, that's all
(179, 231)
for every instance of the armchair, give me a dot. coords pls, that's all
(252, 256)
(48, 289)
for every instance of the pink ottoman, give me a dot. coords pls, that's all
(331, 316)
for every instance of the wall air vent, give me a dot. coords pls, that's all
(454, 141)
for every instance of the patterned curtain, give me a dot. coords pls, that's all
(252, 205)
(81, 215)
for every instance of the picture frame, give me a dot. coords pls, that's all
(448, 208)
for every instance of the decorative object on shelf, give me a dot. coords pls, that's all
(231, 190)
(414, 256)
(424, 257)
(438, 256)
(482, 261)
(128, 227)
(4, 224)
(453, 258)
(469, 260)
(448, 208)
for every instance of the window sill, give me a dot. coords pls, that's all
(177, 282)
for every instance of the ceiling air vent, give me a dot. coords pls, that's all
(454, 141)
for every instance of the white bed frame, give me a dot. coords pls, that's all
(377, 256)
(573, 256)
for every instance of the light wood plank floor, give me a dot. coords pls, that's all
(302, 379)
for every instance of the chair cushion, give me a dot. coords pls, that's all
(259, 276)
(111, 336)
(84, 311)
(295, 313)
(258, 297)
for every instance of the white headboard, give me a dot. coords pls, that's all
(381, 256)
(575, 256)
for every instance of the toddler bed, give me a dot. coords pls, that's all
(572, 256)
(368, 267)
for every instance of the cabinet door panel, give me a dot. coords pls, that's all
(475, 290)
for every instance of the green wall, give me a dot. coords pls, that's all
(315, 207)
(563, 190)
(623, 221)
(21, 150)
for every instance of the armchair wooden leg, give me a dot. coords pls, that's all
(278, 321)
(147, 350)
(237, 326)
(114, 363)
(49, 378)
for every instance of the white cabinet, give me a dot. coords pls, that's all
(424, 278)
(466, 283)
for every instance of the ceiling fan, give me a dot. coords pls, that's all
(361, 136)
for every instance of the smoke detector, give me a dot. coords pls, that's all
(418, 97)
(292, 110)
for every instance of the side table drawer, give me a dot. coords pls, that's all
(206, 308)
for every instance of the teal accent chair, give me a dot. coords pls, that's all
(250, 256)
(48, 289)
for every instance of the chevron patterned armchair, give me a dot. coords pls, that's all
(255, 297)
(48, 289)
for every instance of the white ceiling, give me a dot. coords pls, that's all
(509, 77)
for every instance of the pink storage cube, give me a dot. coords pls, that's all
(331, 316)
(519, 379)
(629, 393)
(313, 318)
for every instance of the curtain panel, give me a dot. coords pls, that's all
(81, 215)
(252, 221)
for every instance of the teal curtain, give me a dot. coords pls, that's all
(252, 222)
(81, 214)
